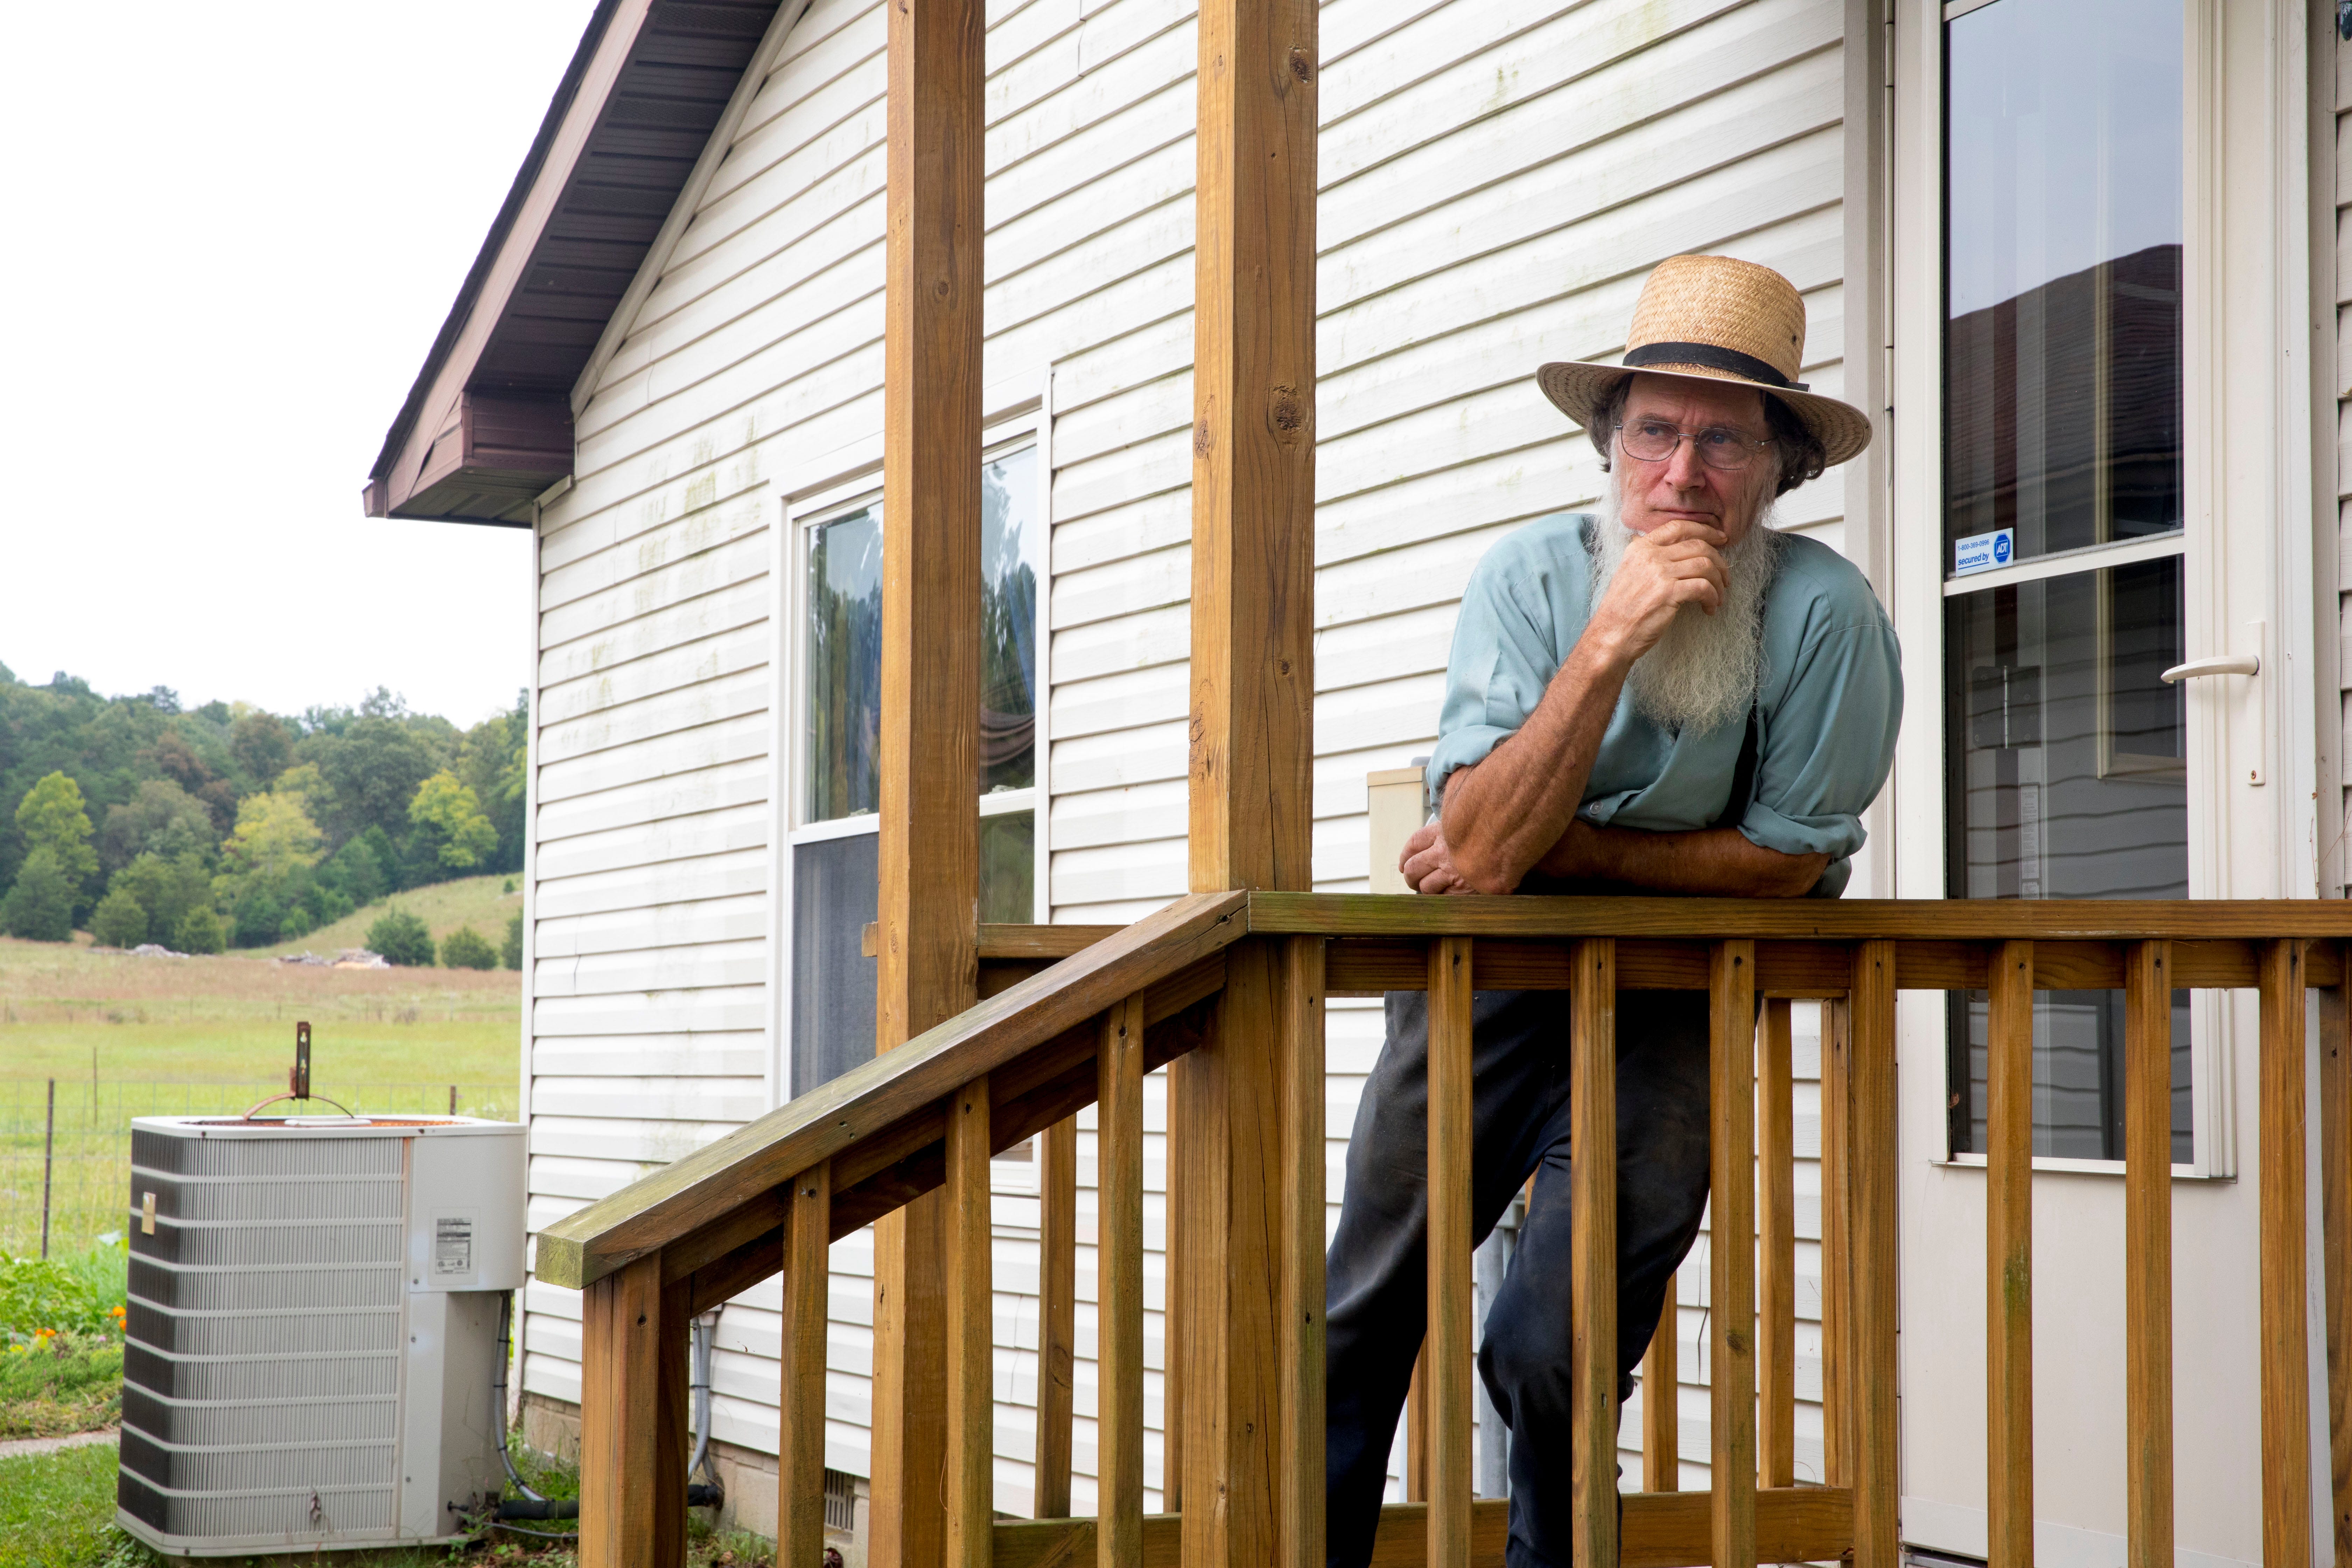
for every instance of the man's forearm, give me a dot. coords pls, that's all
(1503, 815)
(1711, 861)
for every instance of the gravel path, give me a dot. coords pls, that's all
(20, 1447)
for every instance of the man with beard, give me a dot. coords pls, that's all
(1664, 695)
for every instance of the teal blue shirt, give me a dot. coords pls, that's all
(1829, 698)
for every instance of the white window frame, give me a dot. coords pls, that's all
(1026, 426)
(1923, 581)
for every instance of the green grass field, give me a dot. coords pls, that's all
(478, 902)
(54, 1510)
(127, 1036)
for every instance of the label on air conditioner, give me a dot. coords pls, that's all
(453, 1245)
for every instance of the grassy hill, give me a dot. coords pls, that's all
(478, 902)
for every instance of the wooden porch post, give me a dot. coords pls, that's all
(1252, 743)
(929, 851)
(2336, 1219)
(633, 1399)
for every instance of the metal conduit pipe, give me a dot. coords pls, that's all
(705, 1341)
(532, 1505)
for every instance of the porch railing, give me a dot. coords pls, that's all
(1065, 1029)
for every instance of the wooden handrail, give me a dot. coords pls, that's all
(1086, 1031)
(1823, 919)
(744, 1168)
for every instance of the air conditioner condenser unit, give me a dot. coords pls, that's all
(313, 1329)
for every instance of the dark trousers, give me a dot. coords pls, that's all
(1376, 1301)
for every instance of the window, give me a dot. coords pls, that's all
(833, 852)
(1011, 549)
(2063, 512)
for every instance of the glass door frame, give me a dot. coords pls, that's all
(1024, 426)
(2237, 748)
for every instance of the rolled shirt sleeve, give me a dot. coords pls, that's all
(1828, 744)
(1507, 642)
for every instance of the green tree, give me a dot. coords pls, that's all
(490, 761)
(465, 948)
(199, 932)
(256, 917)
(273, 839)
(40, 905)
(355, 874)
(307, 783)
(120, 920)
(261, 746)
(510, 951)
(162, 820)
(374, 763)
(401, 939)
(449, 819)
(52, 816)
(166, 890)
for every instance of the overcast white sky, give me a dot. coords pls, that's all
(234, 230)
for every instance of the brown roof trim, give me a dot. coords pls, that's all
(487, 426)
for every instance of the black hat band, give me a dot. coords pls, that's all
(1712, 358)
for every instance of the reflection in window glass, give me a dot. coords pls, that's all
(1008, 623)
(1008, 861)
(2062, 426)
(2062, 379)
(845, 667)
(2070, 777)
(2070, 780)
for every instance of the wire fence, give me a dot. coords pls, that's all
(65, 1143)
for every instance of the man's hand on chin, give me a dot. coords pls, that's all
(1428, 864)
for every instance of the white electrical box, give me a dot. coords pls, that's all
(313, 1329)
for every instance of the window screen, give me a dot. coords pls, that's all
(835, 888)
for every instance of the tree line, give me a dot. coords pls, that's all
(228, 826)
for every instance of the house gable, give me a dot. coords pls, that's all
(487, 426)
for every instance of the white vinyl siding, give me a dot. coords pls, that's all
(1496, 182)
(2337, 472)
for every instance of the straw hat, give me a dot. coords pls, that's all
(1711, 318)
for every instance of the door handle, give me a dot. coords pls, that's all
(2225, 664)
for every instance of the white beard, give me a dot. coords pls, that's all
(1703, 672)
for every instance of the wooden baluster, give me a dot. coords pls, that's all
(1592, 1260)
(1661, 1399)
(1447, 1351)
(800, 1458)
(1837, 1388)
(2147, 1253)
(1731, 1250)
(1171, 1315)
(2336, 1225)
(2285, 1344)
(971, 1336)
(1299, 1343)
(632, 1421)
(1776, 1246)
(1416, 1430)
(1871, 1245)
(1118, 1311)
(1057, 1312)
(2008, 1256)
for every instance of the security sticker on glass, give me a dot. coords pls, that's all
(453, 1245)
(1984, 552)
